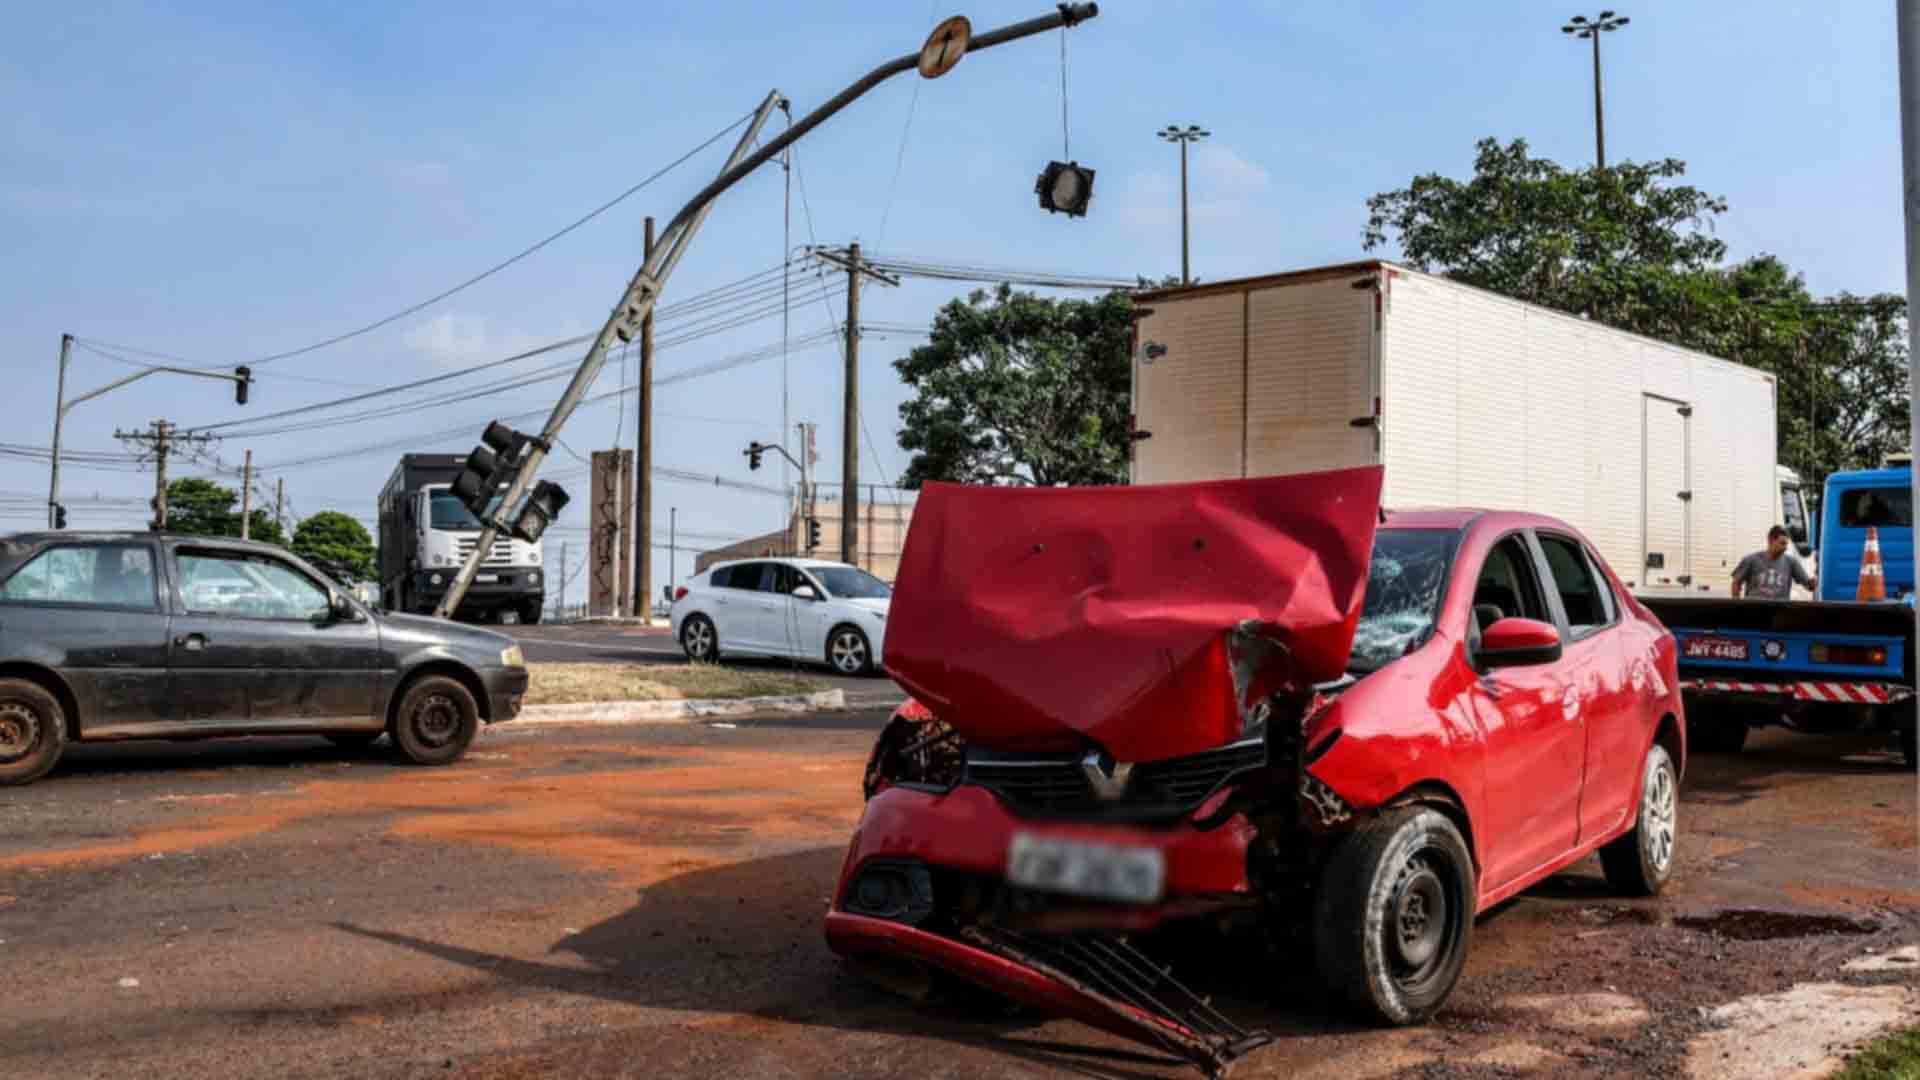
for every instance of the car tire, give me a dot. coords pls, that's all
(436, 721)
(530, 615)
(354, 740)
(1395, 914)
(848, 651)
(33, 731)
(1640, 862)
(699, 640)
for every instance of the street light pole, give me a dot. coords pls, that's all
(1192, 133)
(59, 416)
(1582, 27)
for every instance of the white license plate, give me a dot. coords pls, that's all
(486, 579)
(1134, 875)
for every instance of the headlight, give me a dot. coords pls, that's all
(511, 657)
(437, 580)
(534, 577)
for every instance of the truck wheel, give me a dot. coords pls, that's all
(436, 721)
(33, 731)
(1395, 915)
(1716, 730)
(700, 640)
(530, 615)
(1640, 862)
(1910, 745)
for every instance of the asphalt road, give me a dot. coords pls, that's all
(575, 643)
(646, 901)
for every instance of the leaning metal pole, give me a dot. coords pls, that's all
(645, 287)
(1908, 33)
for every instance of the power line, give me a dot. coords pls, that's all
(503, 264)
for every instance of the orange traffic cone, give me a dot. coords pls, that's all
(1873, 576)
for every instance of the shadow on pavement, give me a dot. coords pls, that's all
(275, 751)
(745, 939)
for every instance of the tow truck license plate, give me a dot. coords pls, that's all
(1715, 648)
(1134, 875)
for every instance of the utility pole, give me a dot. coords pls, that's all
(850, 415)
(59, 414)
(563, 579)
(849, 260)
(673, 550)
(1582, 27)
(1907, 33)
(643, 467)
(1192, 133)
(162, 440)
(803, 506)
(246, 497)
(280, 503)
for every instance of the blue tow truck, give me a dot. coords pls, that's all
(1826, 665)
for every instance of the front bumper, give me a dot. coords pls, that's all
(506, 689)
(511, 586)
(965, 835)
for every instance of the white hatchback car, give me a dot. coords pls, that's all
(805, 609)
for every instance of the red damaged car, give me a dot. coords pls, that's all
(1258, 702)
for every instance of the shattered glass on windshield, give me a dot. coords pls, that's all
(1405, 581)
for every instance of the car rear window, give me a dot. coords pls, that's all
(1879, 507)
(92, 576)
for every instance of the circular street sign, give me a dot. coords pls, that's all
(945, 46)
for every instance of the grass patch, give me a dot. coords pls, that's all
(1894, 1057)
(567, 684)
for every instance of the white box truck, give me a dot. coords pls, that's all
(1663, 456)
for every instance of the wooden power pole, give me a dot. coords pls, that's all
(246, 496)
(161, 441)
(643, 467)
(850, 406)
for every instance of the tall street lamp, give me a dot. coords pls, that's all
(1582, 27)
(1192, 133)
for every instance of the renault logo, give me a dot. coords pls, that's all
(1107, 778)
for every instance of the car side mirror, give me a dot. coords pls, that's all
(341, 609)
(805, 592)
(1513, 642)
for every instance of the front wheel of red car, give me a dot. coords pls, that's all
(1640, 862)
(1395, 914)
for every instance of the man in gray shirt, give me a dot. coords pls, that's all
(1771, 574)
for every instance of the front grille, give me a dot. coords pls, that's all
(1052, 784)
(501, 555)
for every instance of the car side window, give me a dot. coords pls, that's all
(104, 575)
(721, 578)
(1583, 595)
(1505, 587)
(248, 586)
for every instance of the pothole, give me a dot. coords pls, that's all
(1748, 924)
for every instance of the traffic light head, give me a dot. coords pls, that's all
(813, 533)
(1065, 187)
(242, 384)
(754, 450)
(59, 516)
(488, 467)
(543, 505)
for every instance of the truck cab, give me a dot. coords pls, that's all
(1881, 499)
(426, 536)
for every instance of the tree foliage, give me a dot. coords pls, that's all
(1630, 247)
(336, 543)
(1013, 388)
(200, 507)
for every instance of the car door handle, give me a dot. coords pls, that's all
(191, 642)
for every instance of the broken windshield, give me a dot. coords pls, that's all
(1406, 579)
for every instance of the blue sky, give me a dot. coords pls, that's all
(222, 182)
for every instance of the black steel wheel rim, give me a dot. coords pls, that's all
(1422, 924)
(436, 720)
(19, 730)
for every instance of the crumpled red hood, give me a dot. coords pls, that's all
(1040, 618)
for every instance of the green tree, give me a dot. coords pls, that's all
(200, 507)
(1013, 388)
(1630, 247)
(336, 543)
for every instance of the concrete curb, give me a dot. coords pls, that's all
(679, 711)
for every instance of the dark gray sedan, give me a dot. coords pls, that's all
(159, 636)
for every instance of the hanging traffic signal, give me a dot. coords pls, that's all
(59, 516)
(753, 452)
(1065, 187)
(813, 533)
(488, 467)
(543, 505)
(242, 384)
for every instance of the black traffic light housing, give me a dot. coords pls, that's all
(59, 516)
(1065, 187)
(813, 533)
(753, 452)
(543, 505)
(242, 383)
(488, 466)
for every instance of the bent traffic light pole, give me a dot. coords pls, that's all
(934, 59)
